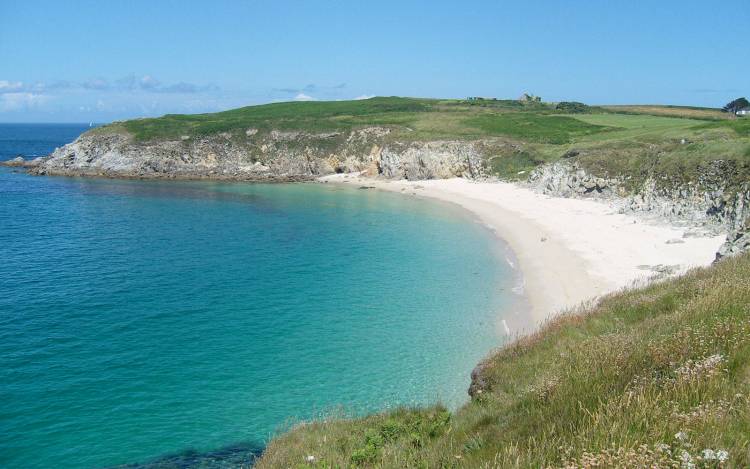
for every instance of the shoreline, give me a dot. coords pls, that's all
(569, 251)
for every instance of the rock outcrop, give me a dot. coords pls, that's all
(738, 238)
(709, 204)
(21, 162)
(479, 380)
(564, 179)
(430, 160)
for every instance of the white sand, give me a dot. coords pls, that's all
(569, 250)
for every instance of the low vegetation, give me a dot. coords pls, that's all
(652, 377)
(572, 107)
(417, 118)
(310, 116)
(536, 128)
(684, 112)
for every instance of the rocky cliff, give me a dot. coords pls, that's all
(255, 155)
(711, 204)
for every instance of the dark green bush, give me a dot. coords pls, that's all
(572, 107)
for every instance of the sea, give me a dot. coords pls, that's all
(185, 323)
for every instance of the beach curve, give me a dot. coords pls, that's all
(570, 251)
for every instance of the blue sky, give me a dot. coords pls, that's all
(99, 61)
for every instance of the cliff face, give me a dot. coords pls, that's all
(710, 204)
(260, 156)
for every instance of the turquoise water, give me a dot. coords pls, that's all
(186, 322)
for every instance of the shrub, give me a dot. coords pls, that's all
(572, 107)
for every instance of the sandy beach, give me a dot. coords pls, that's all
(569, 250)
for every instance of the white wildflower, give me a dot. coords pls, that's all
(310, 459)
(722, 455)
(680, 436)
(687, 460)
(709, 454)
(709, 366)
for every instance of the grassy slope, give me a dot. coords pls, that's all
(629, 141)
(415, 118)
(675, 149)
(612, 385)
(689, 112)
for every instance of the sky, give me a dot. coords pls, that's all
(98, 61)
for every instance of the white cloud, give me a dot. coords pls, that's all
(7, 86)
(96, 84)
(364, 96)
(19, 101)
(148, 82)
(10, 86)
(303, 97)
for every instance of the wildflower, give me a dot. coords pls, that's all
(687, 460)
(709, 366)
(310, 458)
(722, 455)
(709, 454)
(680, 436)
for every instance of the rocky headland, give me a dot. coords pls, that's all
(254, 155)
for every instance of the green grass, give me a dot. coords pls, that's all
(515, 165)
(673, 151)
(687, 112)
(304, 116)
(740, 126)
(636, 126)
(534, 127)
(430, 118)
(632, 382)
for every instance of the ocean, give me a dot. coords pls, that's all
(183, 324)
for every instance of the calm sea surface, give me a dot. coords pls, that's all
(186, 322)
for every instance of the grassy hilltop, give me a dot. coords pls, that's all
(629, 141)
(654, 377)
